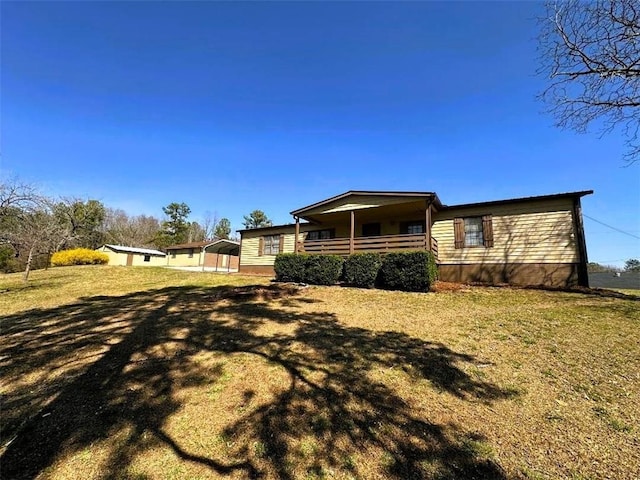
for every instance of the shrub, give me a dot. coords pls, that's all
(79, 256)
(290, 267)
(323, 269)
(313, 269)
(361, 269)
(408, 271)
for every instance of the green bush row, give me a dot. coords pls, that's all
(362, 269)
(408, 271)
(313, 269)
(79, 256)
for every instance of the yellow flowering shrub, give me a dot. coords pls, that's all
(79, 256)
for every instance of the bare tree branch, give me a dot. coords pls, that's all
(590, 52)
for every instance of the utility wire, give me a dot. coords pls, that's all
(612, 228)
(608, 261)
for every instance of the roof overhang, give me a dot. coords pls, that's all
(538, 198)
(191, 245)
(270, 227)
(223, 246)
(375, 198)
(140, 251)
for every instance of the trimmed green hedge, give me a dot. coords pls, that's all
(408, 271)
(312, 269)
(290, 267)
(361, 269)
(323, 269)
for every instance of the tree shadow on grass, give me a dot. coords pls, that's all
(116, 365)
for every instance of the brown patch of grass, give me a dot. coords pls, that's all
(133, 373)
(440, 286)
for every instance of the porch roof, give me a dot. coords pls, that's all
(361, 199)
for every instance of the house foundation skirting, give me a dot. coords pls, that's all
(548, 274)
(266, 270)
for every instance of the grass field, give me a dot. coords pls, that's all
(141, 373)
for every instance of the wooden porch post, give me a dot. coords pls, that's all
(295, 243)
(427, 225)
(352, 232)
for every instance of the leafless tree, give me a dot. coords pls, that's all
(590, 51)
(209, 223)
(136, 231)
(27, 221)
(37, 232)
(16, 194)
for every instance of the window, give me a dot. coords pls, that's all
(370, 229)
(271, 245)
(319, 235)
(147, 258)
(473, 231)
(413, 228)
(191, 253)
(173, 254)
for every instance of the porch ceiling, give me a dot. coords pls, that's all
(414, 208)
(363, 200)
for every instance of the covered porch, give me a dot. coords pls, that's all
(381, 244)
(356, 222)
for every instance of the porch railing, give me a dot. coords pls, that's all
(382, 244)
(434, 248)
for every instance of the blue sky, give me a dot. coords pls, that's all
(231, 107)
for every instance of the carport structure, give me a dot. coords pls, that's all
(222, 255)
(218, 255)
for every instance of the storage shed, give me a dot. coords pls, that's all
(134, 256)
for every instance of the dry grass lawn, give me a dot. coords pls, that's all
(141, 373)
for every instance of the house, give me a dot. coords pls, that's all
(133, 256)
(221, 254)
(527, 241)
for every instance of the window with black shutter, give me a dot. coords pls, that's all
(473, 231)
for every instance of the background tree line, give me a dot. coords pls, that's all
(34, 226)
(630, 265)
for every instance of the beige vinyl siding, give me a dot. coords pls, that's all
(154, 261)
(251, 244)
(539, 232)
(359, 203)
(115, 258)
(120, 259)
(182, 258)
